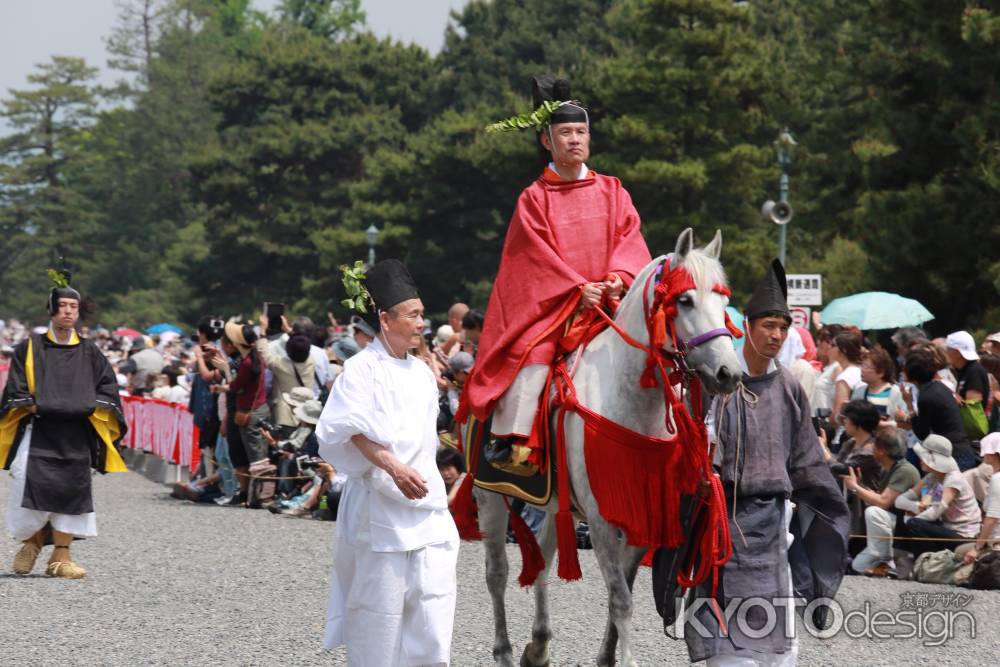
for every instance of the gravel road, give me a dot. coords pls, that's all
(174, 583)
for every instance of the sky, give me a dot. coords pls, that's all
(32, 31)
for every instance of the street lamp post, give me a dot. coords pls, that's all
(783, 147)
(372, 234)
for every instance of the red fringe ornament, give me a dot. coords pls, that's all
(465, 512)
(569, 563)
(532, 562)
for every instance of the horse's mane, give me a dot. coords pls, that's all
(706, 271)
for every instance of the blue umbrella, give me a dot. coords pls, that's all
(875, 310)
(164, 327)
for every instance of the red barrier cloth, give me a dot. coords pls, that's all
(162, 428)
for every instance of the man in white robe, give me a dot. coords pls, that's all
(392, 598)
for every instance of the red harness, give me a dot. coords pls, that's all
(638, 480)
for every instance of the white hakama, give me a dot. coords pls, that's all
(22, 522)
(516, 409)
(392, 594)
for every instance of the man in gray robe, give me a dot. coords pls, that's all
(787, 516)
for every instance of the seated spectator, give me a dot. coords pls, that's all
(973, 382)
(940, 351)
(296, 368)
(989, 533)
(454, 342)
(147, 362)
(878, 375)
(472, 329)
(299, 455)
(203, 490)
(936, 410)
(362, 331)
(459, 367)
(343, 347)
(848, 352)
(860, 419)
(451, 465)
(991, 345)
(800, 366)
(942, 504)
(880, 514)
(825, 387)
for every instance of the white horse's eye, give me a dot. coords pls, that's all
(686, 301)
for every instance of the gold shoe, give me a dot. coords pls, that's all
(66, 570)
(24, 561)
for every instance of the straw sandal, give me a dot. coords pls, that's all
(66, 570)
(24, 561)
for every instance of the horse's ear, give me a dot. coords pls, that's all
(714, 249)
(685, 242)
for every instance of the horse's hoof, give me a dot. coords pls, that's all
(533, 657)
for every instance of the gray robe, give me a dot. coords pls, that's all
(768, 452)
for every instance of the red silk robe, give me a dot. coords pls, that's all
(562, 234)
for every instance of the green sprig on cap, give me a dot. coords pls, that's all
(353, 278)
(58, 278)
(538, 118)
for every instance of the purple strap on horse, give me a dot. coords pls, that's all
(705, 337)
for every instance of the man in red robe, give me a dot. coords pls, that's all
(573, 240)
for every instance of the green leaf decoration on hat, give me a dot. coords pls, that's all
(58, 278)
(538, 118)
(353, 278)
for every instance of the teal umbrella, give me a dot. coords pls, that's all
(737, 317)
(875, 310)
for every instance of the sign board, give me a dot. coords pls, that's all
(805, 289)
(800, 316)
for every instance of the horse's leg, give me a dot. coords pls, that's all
(606, 656)
(615, 560)
(536, 654)
(493, 525)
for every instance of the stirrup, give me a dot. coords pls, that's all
(510, 455)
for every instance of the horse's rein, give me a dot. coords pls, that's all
(671, 285)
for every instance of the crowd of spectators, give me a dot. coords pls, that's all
(256, 390)
(911, 425)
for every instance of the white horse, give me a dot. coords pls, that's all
(606, 380)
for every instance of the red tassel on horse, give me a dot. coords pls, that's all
(465, 512)
(532, 561)
(569, 563)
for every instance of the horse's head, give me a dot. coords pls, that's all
(680, 301)
(700, 296)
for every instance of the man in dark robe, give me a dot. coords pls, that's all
(787, 517)
(60, 416)
(573, 240)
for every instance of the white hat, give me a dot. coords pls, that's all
(994, 337)
(309, 412)
(990, 444)
(444, 332)
(963, 342)
(298, 396)
(935, 451)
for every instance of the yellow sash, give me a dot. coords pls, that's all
(102, 420)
